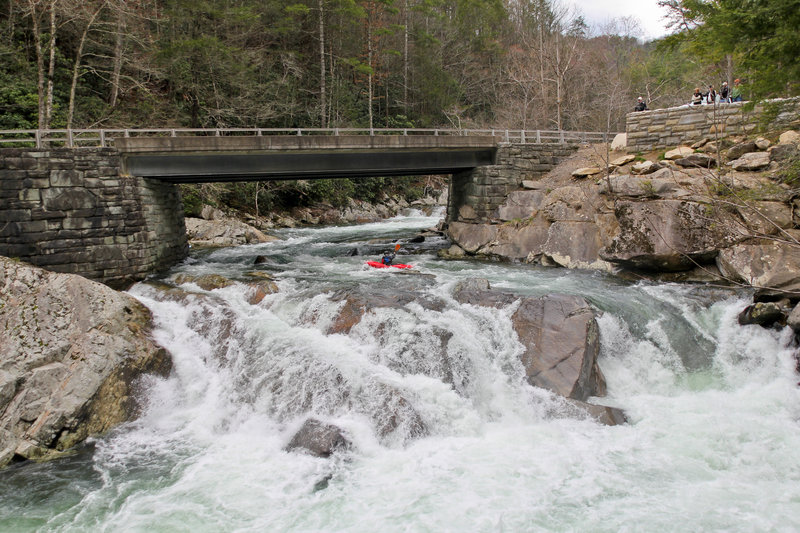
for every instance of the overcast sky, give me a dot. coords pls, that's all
(597, 12)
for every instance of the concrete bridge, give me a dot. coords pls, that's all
(114, 214)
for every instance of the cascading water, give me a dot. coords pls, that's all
(446, 434)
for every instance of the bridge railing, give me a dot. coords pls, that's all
(94, 138)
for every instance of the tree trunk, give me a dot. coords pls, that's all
(76, 67)
(51, 70)
(40, 87)
(118, 47)
(405, 59)
(369, 75)
(323, 106)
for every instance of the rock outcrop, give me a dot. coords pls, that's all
(72, 351)
(318, 439)
(561, 340)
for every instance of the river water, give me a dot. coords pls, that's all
(711, 445)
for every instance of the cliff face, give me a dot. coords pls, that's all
(71, 354)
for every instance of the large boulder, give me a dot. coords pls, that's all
(520, 205)
(561, 340)
(769, 265)
(664, 235)
(70, 356)
(518, 241)
(471, 237)
(223, 232)
(559, 333)
(576, 245)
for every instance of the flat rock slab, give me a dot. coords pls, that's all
(679, 153)
(751, 161)
(586, 172)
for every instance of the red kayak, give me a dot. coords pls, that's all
(378, 264)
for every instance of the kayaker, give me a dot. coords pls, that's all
(388, 257)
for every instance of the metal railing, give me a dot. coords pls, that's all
(94, 138)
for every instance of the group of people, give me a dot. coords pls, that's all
(711, 96)
(725, 95)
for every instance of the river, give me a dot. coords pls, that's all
(711, 444)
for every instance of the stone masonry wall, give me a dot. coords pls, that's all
(69, 210)
(475, 195)
(663, 128)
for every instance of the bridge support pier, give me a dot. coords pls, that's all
(476, 194)
(70, 210)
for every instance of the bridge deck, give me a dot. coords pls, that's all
(206, 159)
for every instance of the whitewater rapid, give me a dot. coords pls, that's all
(713, 409)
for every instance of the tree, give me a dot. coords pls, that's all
(760, 36)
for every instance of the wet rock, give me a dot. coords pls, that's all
(357, 304)
(476, 291)
(318, 439)
(738, 150)
(453, 252)
(766, 314)
(560, 335)
(207, 282)
(260, 290)
(664, 235)
(71, 353)
(223, 232)
(610, 416)
(751, 161)
(561, 340)
(260, 260)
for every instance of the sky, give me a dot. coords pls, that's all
(650, 15)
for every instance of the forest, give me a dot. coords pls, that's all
(506, 64)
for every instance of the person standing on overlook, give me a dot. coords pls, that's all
(723, 93)
(736, 92)
(641, 105)
(711, 96)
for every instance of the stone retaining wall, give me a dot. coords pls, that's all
(475, 195)
(69, 210)
(663, 128)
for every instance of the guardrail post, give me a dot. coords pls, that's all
(172, 133)
(538, 136)
(102, 138)
(216, 132)
(507, 137)
(299, 132)
(126, 133)
(561, 136)
(336, 132)
(522, 136)
(69, 139)
(259, 133)
(38, 139)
